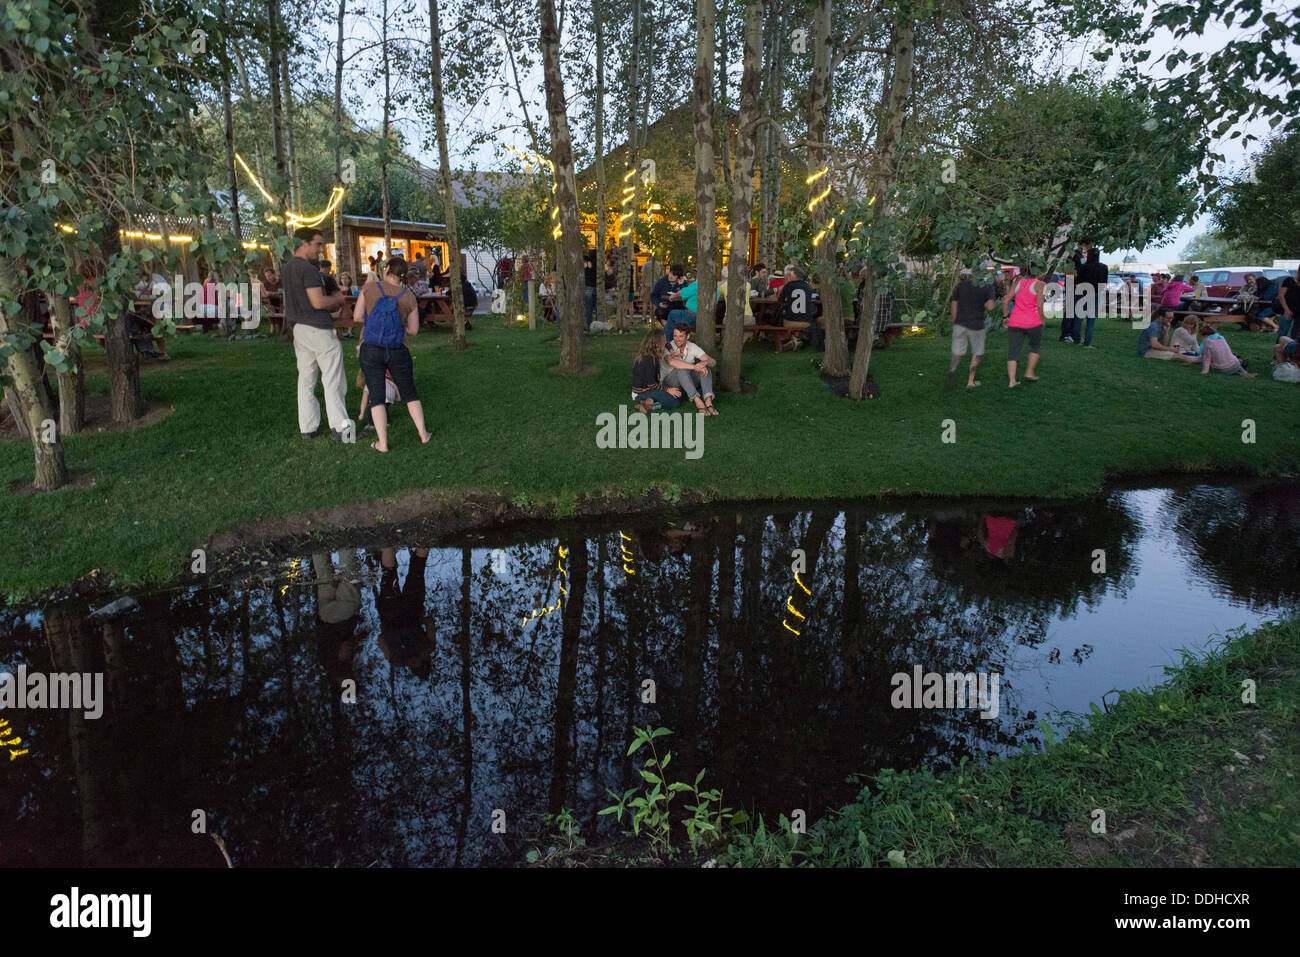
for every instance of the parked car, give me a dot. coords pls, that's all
(1226, 280)
(1143, 279)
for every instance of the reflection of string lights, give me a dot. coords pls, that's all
(7, 729)
(789, 606)
(628, 557)
(564, 577)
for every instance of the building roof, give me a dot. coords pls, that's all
(376, 222)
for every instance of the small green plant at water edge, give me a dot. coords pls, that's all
(653, 809)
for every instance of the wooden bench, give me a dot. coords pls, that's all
(780, 334)
(1212, 318)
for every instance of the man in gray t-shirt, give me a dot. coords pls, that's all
(969, 303)
(307, 313)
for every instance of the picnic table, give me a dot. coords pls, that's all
(1221, 306)
(432, 307)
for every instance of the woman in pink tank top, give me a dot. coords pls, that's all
(1024, 322)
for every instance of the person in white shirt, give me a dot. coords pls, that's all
(689, 368)
(1184, 338)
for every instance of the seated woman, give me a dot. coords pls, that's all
(647, 391)
(1184, 339)
(1152, 341)
(1216, 354)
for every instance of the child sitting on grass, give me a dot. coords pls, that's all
(1215, 353)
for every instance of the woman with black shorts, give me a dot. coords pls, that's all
(389, 312)
(1024, 321)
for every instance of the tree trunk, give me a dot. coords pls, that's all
(627, 227)
(28, 389)
(344, 264)
(277, 122)
(742, 199)
(72, 384)
(230, 324)
(241, 70)
(566, 197)
(383, 155)
(602, 214)
(885, 160)
(449, 204)
(836, 361)
(706, 219)
(725, 133)
(770, 167)
(124, 399)
(286, 90)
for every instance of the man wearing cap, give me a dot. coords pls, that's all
(969, 303)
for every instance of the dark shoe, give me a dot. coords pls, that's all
(468, 325)
(310, 435)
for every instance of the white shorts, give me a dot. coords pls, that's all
(961, 335)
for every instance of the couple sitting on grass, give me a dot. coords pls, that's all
(662, 372)
(1213, 352)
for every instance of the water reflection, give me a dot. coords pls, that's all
(361, 706)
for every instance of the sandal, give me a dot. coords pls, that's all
(709, 409)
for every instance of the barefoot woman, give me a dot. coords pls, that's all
(390, 312)
(1025, 321)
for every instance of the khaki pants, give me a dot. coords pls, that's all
(319, 349)
(336, 600)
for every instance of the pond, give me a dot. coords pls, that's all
(393, 706)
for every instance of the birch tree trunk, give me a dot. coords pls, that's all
(229, 325)
(724, 135)
(72, 384)
(286, 90)
(277, 120)
(241, 69)
(566, 197)
(449, 206)
(28, 389)
(706, 219)
(742, 201)
(627, 227)
(345, 263)
(602, 209)
(836, 361)
(383, 155)
(885, 162)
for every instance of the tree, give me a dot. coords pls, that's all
(449, 205)
(1216, 248)
(705, 203)
(1260, 208)
(65, 171)
(742, 199)
(566, 197)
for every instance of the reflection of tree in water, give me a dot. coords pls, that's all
(244, 682)
(1244, 541)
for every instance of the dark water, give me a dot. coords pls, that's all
(228, 697)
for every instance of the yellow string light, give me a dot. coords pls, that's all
(294, 219)
(817, 175)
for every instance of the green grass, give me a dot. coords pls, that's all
(1186, 775)
(504, 424)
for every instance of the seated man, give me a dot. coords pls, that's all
(798, 307)
(689, 368)
(749, 309)
(666, 294)
(1153, 340)
(758, 281)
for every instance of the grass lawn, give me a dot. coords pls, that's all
(230, 454)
